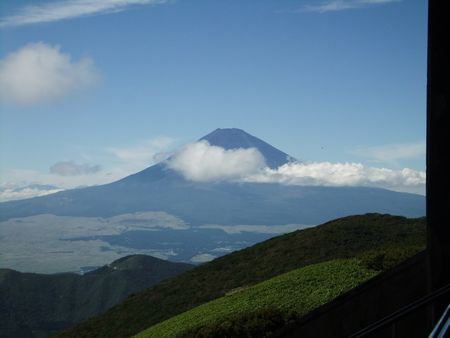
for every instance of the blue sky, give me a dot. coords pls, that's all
(95, 90)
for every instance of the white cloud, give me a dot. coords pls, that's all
(70, 168)
(10, 192)
(40, 72)
(201, 161)
(393, 152)
(340, 5)
(69, 9)
(342, 174)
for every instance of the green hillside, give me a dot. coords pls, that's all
(36, 305)
(294, 293)
(342, 238)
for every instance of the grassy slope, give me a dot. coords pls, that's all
(298, 291)
(342, 238)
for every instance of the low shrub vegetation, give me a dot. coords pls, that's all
(264, 307)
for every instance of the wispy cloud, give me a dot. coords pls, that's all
(144, 153)
(69, 9)
(40, 72)
(341, 5)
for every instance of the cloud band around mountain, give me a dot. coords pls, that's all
(203, 162)
(341, 174)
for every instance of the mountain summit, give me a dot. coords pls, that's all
(227, 138)
(234, 138)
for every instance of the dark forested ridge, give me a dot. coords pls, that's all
(35, 305)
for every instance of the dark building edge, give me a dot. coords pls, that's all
(438, 169)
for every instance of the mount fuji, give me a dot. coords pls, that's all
(159, 211)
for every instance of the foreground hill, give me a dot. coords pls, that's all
(267, 306)
(35, 305)
(342, 238)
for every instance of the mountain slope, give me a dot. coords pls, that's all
(219, 203)
(36, 304)
(342, 238)
(159, 188)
